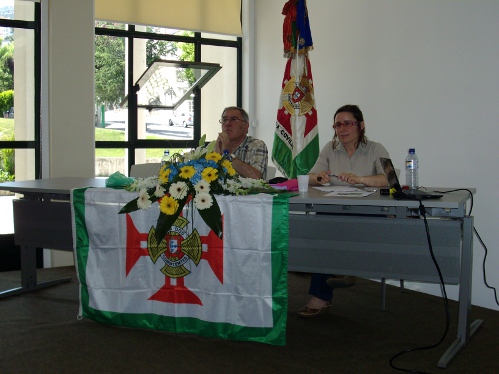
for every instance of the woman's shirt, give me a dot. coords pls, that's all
(365, 161)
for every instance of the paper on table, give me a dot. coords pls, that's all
(343, 191)
(357, 193)
(337, 188)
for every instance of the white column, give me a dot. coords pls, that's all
(70, 88)
(67, 95)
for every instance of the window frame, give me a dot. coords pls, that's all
(133, 142)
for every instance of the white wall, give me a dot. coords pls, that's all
(425, 74)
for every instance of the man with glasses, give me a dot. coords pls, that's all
(249, 155)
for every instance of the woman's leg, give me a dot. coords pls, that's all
(319, 288)
(320, 301)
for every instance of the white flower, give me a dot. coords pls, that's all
(194, 154)
(250, 183)
(203, 200)
(143, 201)
(231, 185)
(160, 191)
(197, 153)
(141, 183)
(202, 186)
(178, 190)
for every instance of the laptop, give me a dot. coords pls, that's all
(401, 194)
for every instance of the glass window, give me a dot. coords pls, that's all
(222, 91)
(144, 119)
(18, 10)
(17, 51)
(109, 80)
(217, 36)
(109, 161)
(19, 90)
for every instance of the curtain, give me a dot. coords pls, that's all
(214, 16)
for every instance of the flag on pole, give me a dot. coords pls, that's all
(296, 139)
(191, 282)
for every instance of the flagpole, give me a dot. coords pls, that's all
(296, 112)
(296, 138)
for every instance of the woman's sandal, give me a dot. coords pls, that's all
(309, 312)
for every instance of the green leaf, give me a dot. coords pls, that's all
(202, 140)
(131, 206)
(210, 147)
(165, 221)
(213, 217)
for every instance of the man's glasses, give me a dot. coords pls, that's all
(224, 120)
(337, 125)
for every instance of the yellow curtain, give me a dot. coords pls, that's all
(214, 16)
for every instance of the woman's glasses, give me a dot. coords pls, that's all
(337, 125)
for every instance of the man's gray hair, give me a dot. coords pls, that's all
(241, 111)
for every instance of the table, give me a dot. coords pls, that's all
(388, 241)
(42, 218)
(380, 237)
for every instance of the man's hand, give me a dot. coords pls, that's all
(222, 143)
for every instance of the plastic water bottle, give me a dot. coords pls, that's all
(411, 170)
(165, 158)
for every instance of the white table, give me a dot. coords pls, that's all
(374, 237)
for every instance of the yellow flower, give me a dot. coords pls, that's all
(210, 174)
(214, 156)
(230, 169)
(187, 172)
(168, 205)
(163, 175)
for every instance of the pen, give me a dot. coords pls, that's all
(329, 175)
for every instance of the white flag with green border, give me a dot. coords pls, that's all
(233, 288)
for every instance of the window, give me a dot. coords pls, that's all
(19, 97)
(135, 128)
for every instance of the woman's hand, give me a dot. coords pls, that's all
(351, 178)
(320, 178)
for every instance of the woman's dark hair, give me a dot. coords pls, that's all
(359, 117)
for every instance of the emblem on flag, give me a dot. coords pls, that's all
(176, 249)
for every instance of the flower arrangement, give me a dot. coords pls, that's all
(195, 177)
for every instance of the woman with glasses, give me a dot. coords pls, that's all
(349, 159)
(249, 155)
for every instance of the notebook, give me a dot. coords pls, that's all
(400, 194)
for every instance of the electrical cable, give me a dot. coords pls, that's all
(483, 265)
(461, 189)
(481, 242)
(422, 212)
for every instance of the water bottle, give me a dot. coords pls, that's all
(411, 170)
(165, 158)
